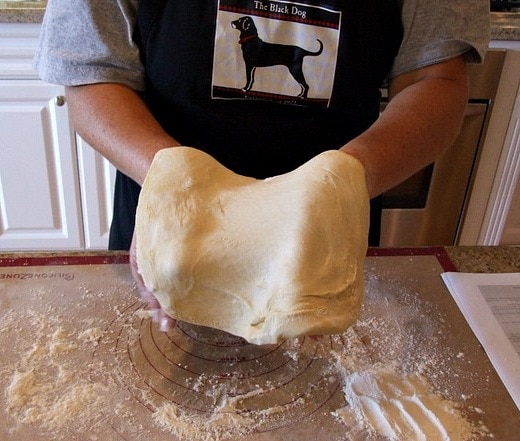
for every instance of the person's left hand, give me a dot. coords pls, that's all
(165, 322)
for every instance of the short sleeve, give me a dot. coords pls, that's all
(88, 41)
(435, 31)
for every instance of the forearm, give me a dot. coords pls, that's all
(114, 120)
(420, 122)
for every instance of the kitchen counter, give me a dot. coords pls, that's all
(485, 259)
(478, 259)
(505, 26)
(80, 357)
(22, 11)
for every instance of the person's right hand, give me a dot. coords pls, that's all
(165, 322)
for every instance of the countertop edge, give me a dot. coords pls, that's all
(22, 15)
(505, 32)
(471, 259)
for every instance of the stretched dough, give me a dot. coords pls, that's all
(266, 259)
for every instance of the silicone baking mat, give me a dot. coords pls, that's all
(81, 359)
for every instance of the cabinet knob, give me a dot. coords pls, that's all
(60, 100)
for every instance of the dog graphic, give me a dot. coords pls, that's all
(258, 53)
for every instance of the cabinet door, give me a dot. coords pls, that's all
(39, 197)
(97, 177)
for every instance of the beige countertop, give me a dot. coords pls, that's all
(504, 26)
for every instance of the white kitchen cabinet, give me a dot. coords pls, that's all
(493, 215)
(55, 191)
(97, 178)
(509, 224)
(39, 197)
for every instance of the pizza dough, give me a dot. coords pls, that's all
(266, 259)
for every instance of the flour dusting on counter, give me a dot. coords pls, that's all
(400, 408)
(384, 369)
(44, 387)
(108, 373)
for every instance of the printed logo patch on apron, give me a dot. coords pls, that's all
(280, 51)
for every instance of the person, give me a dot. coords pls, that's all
(263, 85)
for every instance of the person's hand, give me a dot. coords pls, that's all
(165, 322)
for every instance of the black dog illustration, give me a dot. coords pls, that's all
(258, 53)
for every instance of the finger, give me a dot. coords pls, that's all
(166, 323)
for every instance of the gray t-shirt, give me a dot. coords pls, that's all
(92, 42)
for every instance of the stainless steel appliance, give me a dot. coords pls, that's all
(428, 208)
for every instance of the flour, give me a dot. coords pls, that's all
(384, 368)
(44, 388)
(228, 420)
(400, 408)
(91, 335)
(215, 426)
(393, 382)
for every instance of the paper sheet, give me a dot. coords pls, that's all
(491, 305)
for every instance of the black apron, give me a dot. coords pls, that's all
(262, 86)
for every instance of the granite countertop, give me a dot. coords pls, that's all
(485, 259)
(472, 259)
(22, 11)
(504, 26)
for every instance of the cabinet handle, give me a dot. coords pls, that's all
(60, 100)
